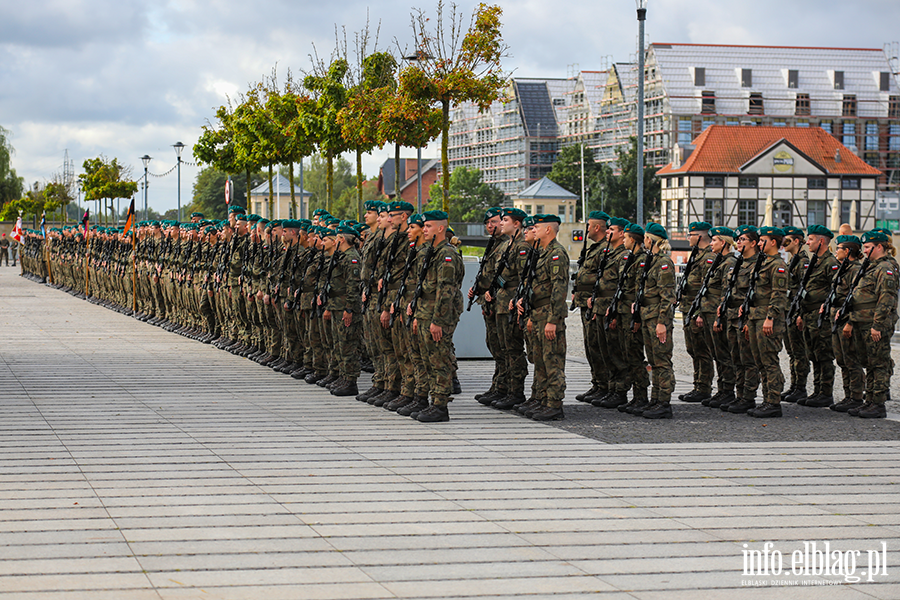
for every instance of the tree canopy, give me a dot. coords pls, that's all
(11, 185)
(469, 195)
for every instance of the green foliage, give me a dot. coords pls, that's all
(469, 196)
(566, 172)
(209, 193)
(621, 189)
(315, 177)
(105, 179)
(345, 207)
(320, 120)
(11, 185)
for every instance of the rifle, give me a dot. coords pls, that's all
(498, 274)
(704, 289)
(848, 300)
(410, 259)
(600, 268)
(490, 246)
(388, 268)
(426, 262)
(744, 311)
(581, 257)
(729, 292)
(367, 284)
(832, 293)
(801, 291)
(314, 306)
(527, 285)
(612, 313)
(639, 297)
(322, 299)
(679, 289)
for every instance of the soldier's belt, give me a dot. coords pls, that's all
(541, 302)
(605, 294)
(394, 285)
(585, 287)
(511, 285)
(862, 305)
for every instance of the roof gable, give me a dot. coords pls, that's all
(782, 157)
(280, 184)
(546, 189)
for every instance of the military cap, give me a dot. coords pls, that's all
(795, 231)
(325, 232)
(874, 236)
(849, 239)
(197, 214)
(887, 232)
(305, 224)
(618, 222)
(492, 212)
(771, 231)
(635, 229)
(818, 230)
(381, 207)
(402, 206)
(415, 219)
(657, 230)
(371, 205)
(546, 219)
(360, 227)
(725, 231)
(242, 217)
(450, 231)
(234, 208)
(253, 218)
(291, 224)
(319, 212)
(747, 230)
(516, 213)
(699, 226)
(598, 215)
(435, 215)
(174, 224)
(347, 230)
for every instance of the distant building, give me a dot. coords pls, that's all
(281, 191)
(409, 185)
(547, 197)
(729, 175)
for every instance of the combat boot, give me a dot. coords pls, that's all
(434, 414)
(788, 391)
(531, 404)
(330, 378)
(536, 408)
(347, 389)
(692, 396)
(766, 410)
(724, 398)
(509, 402)
(713, 398)
(314, 377)
(637, 406)
(660, 410)
(383, 398)
(741, 406)
(614, 400)
(590, 392)
(457, 388)
(872, 411)
(549, 413)
(820, 401)
(489, 397)
(397, 403)
(418, 404)
(478, 396)
(846, 404)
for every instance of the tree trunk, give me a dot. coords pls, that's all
(247, 194)
(329, 180)
(359, 186)
(445, 161)
(397, 171)
(293, 198)
(269, 213)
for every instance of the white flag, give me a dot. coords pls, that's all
(17, 231)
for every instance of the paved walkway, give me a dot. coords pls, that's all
(138, 464)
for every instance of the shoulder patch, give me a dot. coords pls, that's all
(806, 266)
(889, 272)
(353, 261)
(555, 257)
(664, 267)
(709, 261)
(523, 252)
(835, 267)
(642, 264)
(781, 269)
(448, 259)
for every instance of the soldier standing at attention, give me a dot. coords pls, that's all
(345, 311)
(581, 292)
(765, 324)
(793, 338)
(722, 244)
(872, 318)
(849, 249)
(489, 261)
(818, 339)
(4, 248)
(745, 372)
(548, 318)
(437, 315)
(657, 312)
(694, 340)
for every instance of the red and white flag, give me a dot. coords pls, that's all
(17, 231)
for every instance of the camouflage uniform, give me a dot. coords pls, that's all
(344, 296)
(846, 356)
(718, 340)
(511, 339)
(769, 302)
(608, 345)
(658, 307)
(794, 340)
(818, 339)
(584, 286)
(551, 284)
(635, 375)
(746, 374)
(696, 343)
(491, 337)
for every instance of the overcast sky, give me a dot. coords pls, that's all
(125, 78)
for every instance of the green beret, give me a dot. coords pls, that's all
(516, 213)
(490, 213)
(546, 219)
(875, 236)
(360, 227)
(598, 215)
(849, 239)
(818, 230)
(795, 231)
(747, 230)
(618, 222)
(528, 222)
(635, 229)
(657, 230)
(415, 219)
(325, 232)
(725, 231)
(174, 224)
(435, 215)
(236, 209)
(305, 224)
(886, 232)
(402, 206)
(197, 214)
(347, 230)
(319, 211)
(290, 224)
(253, 218)
(371, 205)
(771, 231)
(699, 226)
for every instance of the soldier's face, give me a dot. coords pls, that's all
(413, 233)
(596, 229)
(717, 244)
(529, 234)
(507, 225)
(492, 224)
(615, 234)
(371, 218)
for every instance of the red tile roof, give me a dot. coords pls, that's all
(726, 148)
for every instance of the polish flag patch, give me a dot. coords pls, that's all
(835, 267)
(709, 261)
(354, 261)
(642, 264)
(889, 272)
(664, 267)
(522, 252)
(781, 269)
(555, 257)
(448, 259)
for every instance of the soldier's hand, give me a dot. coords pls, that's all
(529, 326)
(799, 324)
(520, 308)
(380, 281)
(550, 331)
(876, 335)
(326, 315)
(415, 326)
(385, 319)
(847, 331)
(409, 309)
(746, 332)
(471, 293)
(661, 333)
(348, 318)
(436, 332)
(768, 326)
(364, 296)
(699, 321)
(488, 297)
(590, 302)
(612, 324)
(267, 299)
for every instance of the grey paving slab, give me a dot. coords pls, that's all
(115, 486)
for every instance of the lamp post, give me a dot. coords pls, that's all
(146, 160)
(418, 57)
(641, 16)
(178, 149)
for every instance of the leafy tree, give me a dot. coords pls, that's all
(316, 176)
(105, 179)
(621, 189)
(469, 196)
(286, 110)
(218, 146)
(209, 193)
(566, 172)
(346, 205)
(458, 68)
(11, 185)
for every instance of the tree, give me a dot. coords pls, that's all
(209, 192)
(11, 185)
(218, 146)
(317, 176)
(346, 205)
(456, 68)
(469, 196)
(566, 172)
(621, 189)
(105, 179)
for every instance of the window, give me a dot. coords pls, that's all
(802, 123)
(708, 104)
(712, 212)
(707, 122)
(779, 123)
(838, 80)
(681, 182)
(815, 212)
(851, 183)
(528, 208)
(885, 82)
(539, 209)
(845, 214)
(894, 106)
(748, 182)
(801, 105)
(849, 106)
(871, 135)
(894, 139)
(699, 76)
(684, 131)
(561, 212)
(793, 78)
(826, 125)
(816, 183)
(756, 104)
(746, 77)
(714, 182)
(747, 212)
(849, 130)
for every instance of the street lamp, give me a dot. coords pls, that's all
(146, 160)
(417, 58)
(178, 148)
(641, 16)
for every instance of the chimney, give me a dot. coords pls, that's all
(837, 155)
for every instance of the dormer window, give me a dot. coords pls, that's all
(699, 76)
(838, 80)
(793, 79)
(747, 78)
